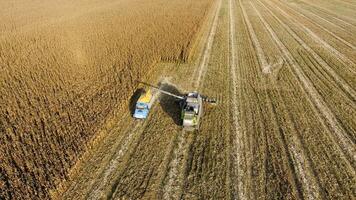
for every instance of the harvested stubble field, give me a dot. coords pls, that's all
(283, 73)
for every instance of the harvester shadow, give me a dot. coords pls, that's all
(170, 105)
(134, 98)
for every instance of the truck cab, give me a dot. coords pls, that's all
(141, 111)
(143, 105)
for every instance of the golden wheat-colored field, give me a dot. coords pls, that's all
(283, 72)
(283, 127)
(66, 66)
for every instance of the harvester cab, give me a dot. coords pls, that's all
(191, 107)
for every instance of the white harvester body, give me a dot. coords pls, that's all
(192, 110)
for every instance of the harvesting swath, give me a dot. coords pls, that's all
(191, 106)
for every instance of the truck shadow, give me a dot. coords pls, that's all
(134, 98)
(170, 105)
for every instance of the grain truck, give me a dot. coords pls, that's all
(144, 104)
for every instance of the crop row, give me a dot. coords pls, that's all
(287, 102)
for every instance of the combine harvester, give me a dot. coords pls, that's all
(191, 106)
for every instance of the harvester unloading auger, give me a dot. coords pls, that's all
(191, 106)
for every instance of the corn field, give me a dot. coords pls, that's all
(66, 67)
(282, 71)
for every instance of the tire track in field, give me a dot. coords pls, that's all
(174, 186)
(344, 141)
(239, 189)
(324, 16)
(207, 50)
(346, 87)
(340, 3)
(176, 174)
(309, 182)
(300, 163)
(340, 23)
(286, 155)
(266, 68)
(324, 29)
(334, 15)
(341, 57)
(295, 9)
(98, 187)
(97, 184)
(348, 4)
(204, 35)
(317, 101)
(334, 138)
(90, 179)
(109, 169)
